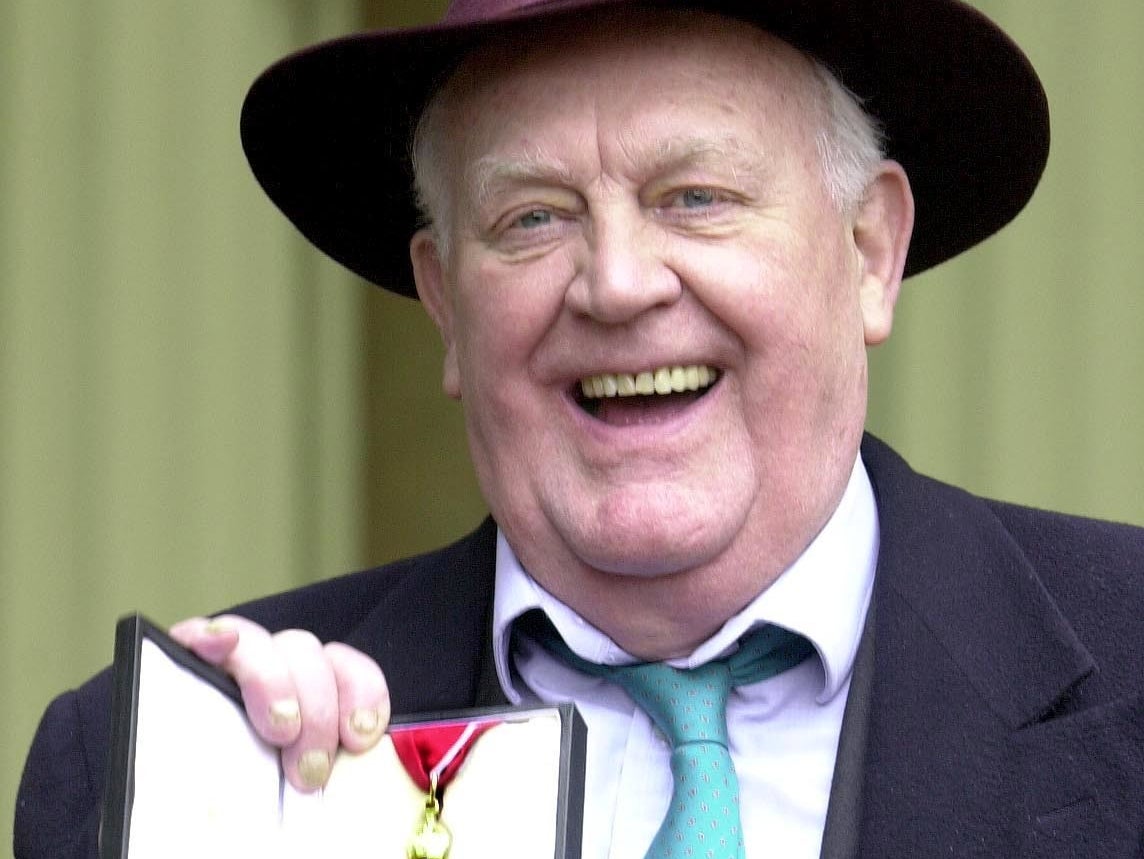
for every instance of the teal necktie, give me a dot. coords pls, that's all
(690, 708)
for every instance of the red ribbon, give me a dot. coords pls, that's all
(421, 747)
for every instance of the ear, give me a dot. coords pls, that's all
(882, 228)
(429, 276)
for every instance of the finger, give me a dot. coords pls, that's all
(308, 760)
(212, 639)
(263, 676)
(363, 697)
(245, 650)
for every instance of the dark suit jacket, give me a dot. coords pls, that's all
(1001, 713)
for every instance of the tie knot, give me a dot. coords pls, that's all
(690, 705)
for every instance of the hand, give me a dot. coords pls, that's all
(302, 696)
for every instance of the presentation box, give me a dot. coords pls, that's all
(190, 778)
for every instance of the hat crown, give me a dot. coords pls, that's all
(475, 11)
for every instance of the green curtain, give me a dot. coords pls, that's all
(179, 408)
(195, 408)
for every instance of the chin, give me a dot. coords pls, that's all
(652, 555)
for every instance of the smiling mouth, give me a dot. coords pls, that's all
(626, 399)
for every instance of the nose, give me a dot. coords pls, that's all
(623, 273)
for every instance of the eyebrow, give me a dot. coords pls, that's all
(490, 173)
(684, 149)
(726, 149)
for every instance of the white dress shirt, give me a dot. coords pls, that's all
(784, 731)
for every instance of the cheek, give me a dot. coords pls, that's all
(772, 299)
(806, 300)
(503, 316)
(508, 309)
(793, 305)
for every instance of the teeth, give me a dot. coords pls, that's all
(665, 380)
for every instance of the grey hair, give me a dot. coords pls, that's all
(850, 145)
(427, 154)
(850, 142)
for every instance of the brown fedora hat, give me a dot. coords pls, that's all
(327, 130)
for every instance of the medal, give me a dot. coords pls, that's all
(432, 755)
(431, 838)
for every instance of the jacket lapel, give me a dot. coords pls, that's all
(972, 749)
(844, 812)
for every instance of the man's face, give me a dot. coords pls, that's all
(630, 203)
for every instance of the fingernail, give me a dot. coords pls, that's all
(217, 627)
(364, 722)
(285, 713)
(314, 767)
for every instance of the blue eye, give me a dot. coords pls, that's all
(533, 219)
(695, 198)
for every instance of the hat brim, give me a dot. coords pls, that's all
(327, 130)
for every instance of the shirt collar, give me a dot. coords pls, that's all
(839, 562)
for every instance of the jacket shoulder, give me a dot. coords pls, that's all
(333, 608)
(1089, 543)
(1094, 571)
(58, 803)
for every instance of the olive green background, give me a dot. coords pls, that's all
(196, 408)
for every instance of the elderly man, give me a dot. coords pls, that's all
(657, 241)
